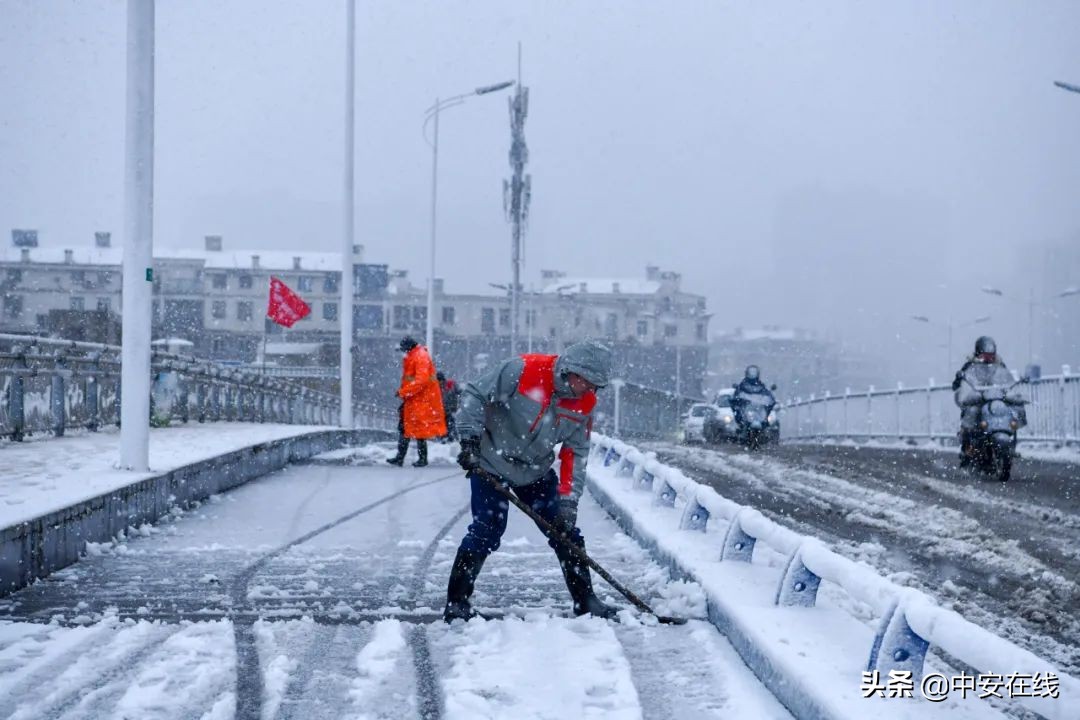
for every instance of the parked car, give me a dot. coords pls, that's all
(720, 426)
(694, 420)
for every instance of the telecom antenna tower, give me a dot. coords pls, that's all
(517, 192)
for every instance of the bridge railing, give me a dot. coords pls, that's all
(631, 410)
(909, 621)
(48, 386)
(928, 412)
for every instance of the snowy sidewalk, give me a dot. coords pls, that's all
(50, 474)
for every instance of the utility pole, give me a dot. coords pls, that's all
(516, 195)
(348, 236)
(138, 266)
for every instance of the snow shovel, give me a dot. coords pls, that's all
(552, 532)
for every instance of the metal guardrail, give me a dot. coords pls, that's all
(48, 386)
(929, 412)
(630, 410)
(910, 622)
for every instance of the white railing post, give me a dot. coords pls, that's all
(1063, 415)
(899, 387)
(847, 398)
(930, 409)
(870, 412)
(825, 413)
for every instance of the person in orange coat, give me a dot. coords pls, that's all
(421, 414)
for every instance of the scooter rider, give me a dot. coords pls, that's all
(510, 421)
(984, 369)
(750, 385)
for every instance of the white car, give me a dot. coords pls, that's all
(694, 422)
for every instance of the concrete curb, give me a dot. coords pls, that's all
(33, 549)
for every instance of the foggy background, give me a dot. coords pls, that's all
(834, 166)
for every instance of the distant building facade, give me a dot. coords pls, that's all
(216, 298)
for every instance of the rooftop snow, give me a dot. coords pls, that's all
(602, 286)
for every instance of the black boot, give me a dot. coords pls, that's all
(421, 450)
(402, 448)
(579, 583)
(463, 574)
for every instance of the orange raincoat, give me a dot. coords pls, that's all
(423, 411)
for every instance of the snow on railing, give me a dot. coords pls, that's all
(910, 621)
(929, 412)
(49, 386)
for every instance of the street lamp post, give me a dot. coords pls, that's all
(432, 115)
(138, 239)
(346, 303)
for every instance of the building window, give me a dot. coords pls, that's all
(665, 305)
(77, 303)
(329, 311)
(487, 320)
(642, 328)
(246, 282)
(530, 318)
(401, 317)
(217, 309)
(448, 315)
(219, 281)
(671, 331)
(611, 325)
(78, 276)
(243, 311)
(700, 332)
(104, 304)
(330, 284)
(368, 317)
(218, 344)
(104, 277)
(13, 306)
(305, 283)
(419, 316)
(504, 317)
(14, 275)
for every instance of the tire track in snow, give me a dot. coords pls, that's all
(428, 692)
(249, 679)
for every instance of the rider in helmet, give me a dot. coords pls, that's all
(750, 385)
(983, 369)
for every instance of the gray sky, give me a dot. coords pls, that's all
(845, 164)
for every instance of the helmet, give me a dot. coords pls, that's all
(407, 343)
(986, 349)
(589, 359)
(753, 372)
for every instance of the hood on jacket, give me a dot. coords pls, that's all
(589, 359)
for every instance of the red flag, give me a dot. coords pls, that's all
(286, 307)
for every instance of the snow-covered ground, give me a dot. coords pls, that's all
(1005, 556)
(46, 475)
(314, 593)
(1048, 451)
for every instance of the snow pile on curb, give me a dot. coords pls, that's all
(810, 646)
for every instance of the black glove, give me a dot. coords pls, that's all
(956, 381)
(469, 457)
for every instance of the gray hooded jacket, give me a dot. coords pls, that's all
(522, 409)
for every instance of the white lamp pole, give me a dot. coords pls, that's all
(138, 239)
(345, 313)
(432, 114)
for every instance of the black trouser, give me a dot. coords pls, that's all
(403, 442)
